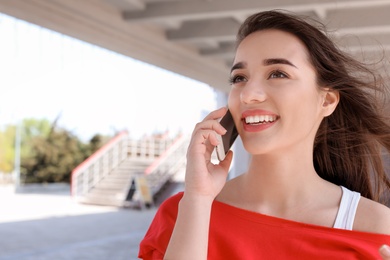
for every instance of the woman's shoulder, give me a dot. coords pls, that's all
(372, 217)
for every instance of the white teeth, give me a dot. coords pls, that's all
(262, 118)
(259, 119)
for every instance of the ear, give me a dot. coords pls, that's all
(331, 99)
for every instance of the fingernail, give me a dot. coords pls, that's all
(385, 250)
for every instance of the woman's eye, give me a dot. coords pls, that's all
(277, 74)
(236, 79)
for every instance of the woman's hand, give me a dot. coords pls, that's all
(203, 182)
(202, 176)
(385, 252)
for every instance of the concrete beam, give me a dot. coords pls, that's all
(128, 4)
(223, 29)
(197, 10)
(359, 17)
(103, 26)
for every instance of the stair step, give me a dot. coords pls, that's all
(129, 169)
(107, 191)
(115, 180)
(109, 185)
(118, 177)
(113, 189)
(123, 170)
(103, 202)
(97, 195)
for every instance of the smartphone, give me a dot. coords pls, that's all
(226, 141)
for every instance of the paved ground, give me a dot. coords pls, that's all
(49, 225)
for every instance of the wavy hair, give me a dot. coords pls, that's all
(352, 146)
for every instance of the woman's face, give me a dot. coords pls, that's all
(275, 100)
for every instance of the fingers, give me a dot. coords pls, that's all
(202, 176)
(216, 114)
(225, 164)
(206, 130)
(385, 252)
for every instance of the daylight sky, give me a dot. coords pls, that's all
(44, 74)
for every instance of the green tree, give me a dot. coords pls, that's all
(48, 153)
(53, 157)
(30, 128)
(96, 142)
(7, 149)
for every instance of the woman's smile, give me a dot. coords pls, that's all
(258, 120)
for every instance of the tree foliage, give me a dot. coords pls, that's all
(48, 153)
(7, 149)
(30, 128)
(53, 157)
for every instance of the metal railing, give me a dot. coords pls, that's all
(150, 182)
(148, 147)
(165, 156)
(97, 166)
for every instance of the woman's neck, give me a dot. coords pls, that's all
(284, 185)
(280, 185)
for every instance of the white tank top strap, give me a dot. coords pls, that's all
(347, 209)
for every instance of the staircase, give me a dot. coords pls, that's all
(129, 173)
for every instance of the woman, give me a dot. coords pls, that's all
(307, 114)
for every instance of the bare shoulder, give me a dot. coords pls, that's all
(372, 217)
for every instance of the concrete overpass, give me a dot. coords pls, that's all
(195, 38)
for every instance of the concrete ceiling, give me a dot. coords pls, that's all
(195, 38)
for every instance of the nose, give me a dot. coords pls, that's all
(253, 92)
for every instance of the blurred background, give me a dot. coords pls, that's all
(98, 99)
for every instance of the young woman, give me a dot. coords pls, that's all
(311, 118)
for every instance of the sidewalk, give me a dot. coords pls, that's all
(49, 225)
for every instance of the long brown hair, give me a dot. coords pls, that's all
(352, 145)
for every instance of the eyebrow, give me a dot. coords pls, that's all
(237, 66)
(266, 62)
